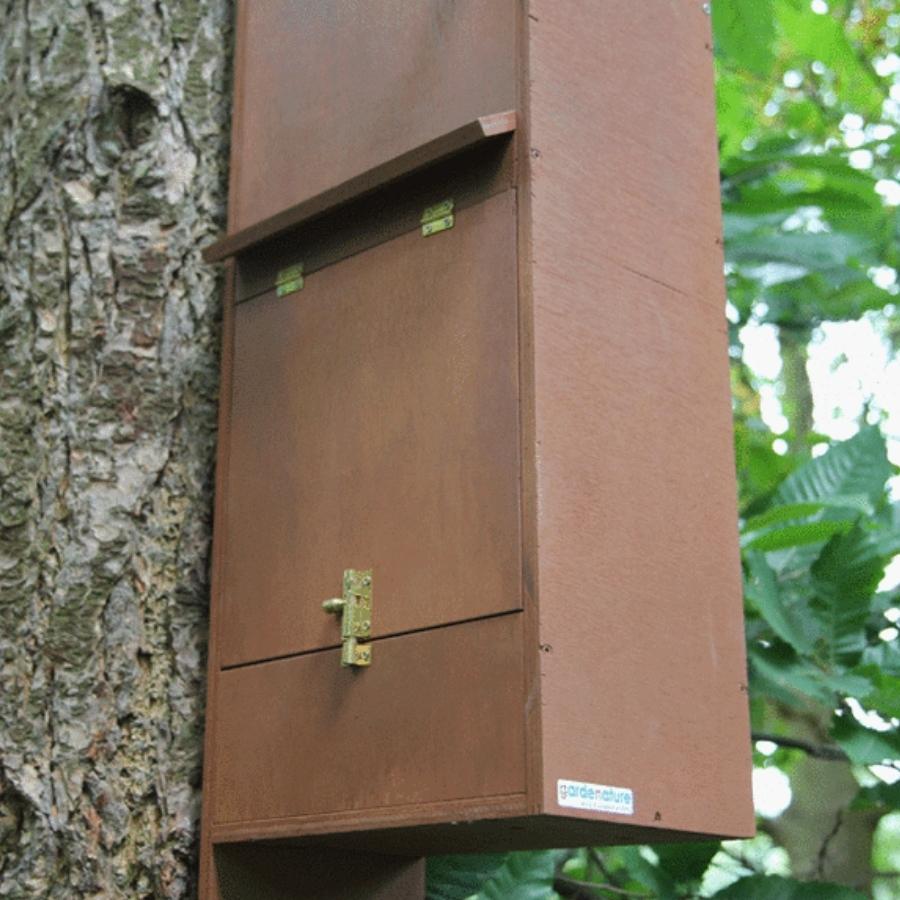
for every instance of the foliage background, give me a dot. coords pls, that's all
(808, 111)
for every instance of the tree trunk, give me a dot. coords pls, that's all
(112, 176)
(824, 838)
(797, 398)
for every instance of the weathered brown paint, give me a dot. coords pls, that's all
(327, 91)
(530, 430)
(473, 134)
(374, 425)
(470, 177)
(324, 743)
(639, 578)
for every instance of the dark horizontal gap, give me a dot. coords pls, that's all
(375, 640)
(340, 257)
(481, 130)
(379, 217)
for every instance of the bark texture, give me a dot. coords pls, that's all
(113, 116)
(825, 839)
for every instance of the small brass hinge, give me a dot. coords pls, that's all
(437, 218)
(355, 609)
(289, 280)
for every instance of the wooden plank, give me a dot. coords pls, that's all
(643, 679)
(305, 737)
(331, 90)
(468, 178)
(429, 831)
(528, 456)
(375, 426)
(313, 828)
(460, 139)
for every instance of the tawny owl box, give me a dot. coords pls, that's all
(476, 580)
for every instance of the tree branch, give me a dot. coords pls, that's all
(823, 850)
(600, 863)
(571, 887)
(829, 752)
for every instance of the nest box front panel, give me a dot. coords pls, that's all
(432, 730)
(327, 90)
(374, 425)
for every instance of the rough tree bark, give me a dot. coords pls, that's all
(825, 839)
(113, 116)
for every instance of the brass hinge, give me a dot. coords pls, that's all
(355, 610)
(289, 280)
(437, 218)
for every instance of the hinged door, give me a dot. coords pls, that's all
(374, 426)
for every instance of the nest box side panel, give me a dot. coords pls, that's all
(643, 670)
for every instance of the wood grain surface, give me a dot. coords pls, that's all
(466, 137)
(437, 718)
(374, 425)
(468, 178)
(643, 675)
(327, 91)
(523, 424)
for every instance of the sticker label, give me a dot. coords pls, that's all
(595, 797)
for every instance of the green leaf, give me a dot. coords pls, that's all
(862, 745)
(645, 872)
(888, 533)
(856, 467)
(798, 535)
(745, 33)
(460, 877)
(810, 252)
(777, 672)
(881, 796)
(774, 887)
(781, 150)
(885, 655)
(883, 696)
(822, 38)
(848, 684)
(761, 468)
(845, 578)
(763, 592)
(735, 113)
(790, 512)
(880, 604)
(846, 197)
(838, 295)
(686, 862)
(524, 876)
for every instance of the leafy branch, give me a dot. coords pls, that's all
(817, 751)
